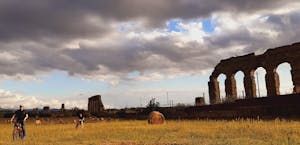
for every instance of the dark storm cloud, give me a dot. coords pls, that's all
(137, 55)
(43, 20)
(285, 26)
(285, 22)
(69, 19)
(33, 34)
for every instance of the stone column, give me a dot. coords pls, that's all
(249, 84)
(89, 106)
(98, 106)
(230, 87)
(214, 91)
(296, 76)
(95, 108)
(272, 82)
(94, 105)
(199, 101)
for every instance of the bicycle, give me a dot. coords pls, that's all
(17, 131)
(79, 123)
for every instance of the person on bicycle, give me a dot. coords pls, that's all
(80, 120)
(21, 116)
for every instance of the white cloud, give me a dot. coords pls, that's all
(12, 100)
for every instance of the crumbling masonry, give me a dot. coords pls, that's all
(95, 104)
(248, 64)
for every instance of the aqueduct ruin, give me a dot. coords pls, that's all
(95, 104)
(248, 64)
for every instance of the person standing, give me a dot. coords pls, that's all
(80, 120)
(21, 116)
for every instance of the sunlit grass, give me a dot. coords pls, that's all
(173, 132)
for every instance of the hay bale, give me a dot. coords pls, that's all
(156, 117)
(38, 122)
(102, 119)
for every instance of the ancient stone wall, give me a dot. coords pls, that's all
(95, 104)
(248, 64)
(199, 101)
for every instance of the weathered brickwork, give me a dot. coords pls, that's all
(248, 64)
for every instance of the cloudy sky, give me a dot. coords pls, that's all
(129, 51)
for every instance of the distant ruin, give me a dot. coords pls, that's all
(199, 101)
(62, 107)
(95, 105)
(248, 64)
(46, 108)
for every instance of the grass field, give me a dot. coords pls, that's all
(172, 133)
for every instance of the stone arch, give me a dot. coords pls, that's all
(260, 81)
(285, 78)
(217, 73)
(221, 79)
(269, 82)
(272, 81)
(239, 77)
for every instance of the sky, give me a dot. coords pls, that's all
(129, 51)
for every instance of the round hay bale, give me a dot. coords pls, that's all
(38, 122)
(156, 117)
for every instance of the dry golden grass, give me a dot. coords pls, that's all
(172, 133)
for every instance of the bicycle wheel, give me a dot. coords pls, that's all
(21, 133)
(15, 133)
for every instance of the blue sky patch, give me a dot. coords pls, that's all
(55, 84)
(173, 26)
(208, 25)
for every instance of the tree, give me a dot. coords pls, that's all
(153, 104)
